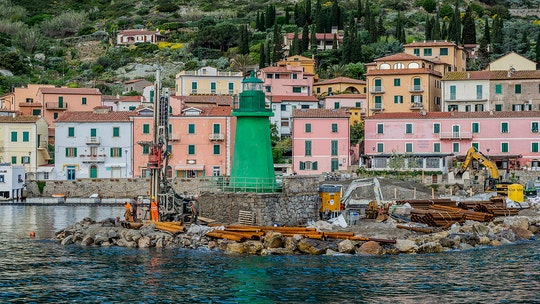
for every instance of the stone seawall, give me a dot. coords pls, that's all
(109, 187)
(297, 204)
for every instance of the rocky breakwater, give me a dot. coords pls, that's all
(368, 237)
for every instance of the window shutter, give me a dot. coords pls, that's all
(314, 165)
(302, 166)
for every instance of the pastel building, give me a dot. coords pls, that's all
(94, 144)
(56, 101)
(208, 81)
(511, 60)
(200, 142)
(430, 140)
(320, 141)
(286, 80)
(133, 36)
(354, 103)
(11, 181)
(510, 90)
(283, 107)
(325, 41)
(339, 85)
(307, 64)
(24, 142)
(445, 54)
(25, 99)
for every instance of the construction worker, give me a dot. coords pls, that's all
(128, 214)
(194, 212)
(154, 211)
(134, 208)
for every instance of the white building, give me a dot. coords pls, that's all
(283, 107)
(11, 181)
(96, 144)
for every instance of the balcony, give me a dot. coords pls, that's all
(92, 158)
(376, 90)
(377, 108)
(416, 88)
(93, 140)
(216, 136)
(174, 136)
(416, 106)
(56, 105)
(456, 135)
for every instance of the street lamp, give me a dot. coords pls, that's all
(126, 150)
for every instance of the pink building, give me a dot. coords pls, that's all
(200, 142)
(430, 140)
(320, 141)
(286, 80)
(56, 101)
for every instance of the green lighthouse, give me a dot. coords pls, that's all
(253, 166)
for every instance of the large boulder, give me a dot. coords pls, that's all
(517, 221)
(312, 246)
(235, 248)
(276, 251)
(346, 246)
(522, 234)
(87, 241)
(431, 247)
(406, 246)
(291, 244)
(253, 247)
(273, 239)
(371, 248)
(68, 240)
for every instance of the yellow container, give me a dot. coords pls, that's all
(516, 192)
(330, 197)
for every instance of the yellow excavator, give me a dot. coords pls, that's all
(514, 192)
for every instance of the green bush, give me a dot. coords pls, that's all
(41, 186)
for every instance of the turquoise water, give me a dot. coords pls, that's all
(41, 271)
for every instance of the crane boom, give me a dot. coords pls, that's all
(473, 153)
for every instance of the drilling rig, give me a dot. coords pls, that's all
(171, 206)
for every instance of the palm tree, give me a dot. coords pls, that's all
(241, 62)
(336, 70)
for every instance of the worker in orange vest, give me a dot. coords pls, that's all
(154, 211)
(128, 214)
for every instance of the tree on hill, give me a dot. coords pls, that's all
(538, 51)
(277, 43)
(468, 35)
(305, 39)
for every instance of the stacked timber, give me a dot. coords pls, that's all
(241, 233)
(496, 207)
(425, 203)
(469, 214)
(436, 218)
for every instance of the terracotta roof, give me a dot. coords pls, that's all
(208, 99)
(374, 72)
(430, 43)
(492, 75)
(18, 119)
(89, 116)
(133, 32)
(455, 115)
(346, 96)
(215, 111)
(282, 98)
(340, 80)
(78, 91)
(282, 69)
(320, 113)
(401, 56)
(134, 81)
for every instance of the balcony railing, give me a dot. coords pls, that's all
(93, 158)
(416, 106)
(377, 107)
(93, 140)
(455, 135)
(416, 88)
(376, 90)
(56, 105)
(216, 136)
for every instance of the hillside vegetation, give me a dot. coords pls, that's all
(72, 42)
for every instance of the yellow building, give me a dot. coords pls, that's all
(403, 83)
(511, 60)
(24, 142)
(339, 85)
(308, 64)
(447, 56)
(208, 81)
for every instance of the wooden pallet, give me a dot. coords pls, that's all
(246, 217)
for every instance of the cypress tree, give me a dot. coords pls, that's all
(454, 30)
(313, 39)
(295, 46)
(367, 17)
(277, 50)
(435, 28)
(335, 14)
(267, 53)
(244, 40)
(262, 56)
(270, 16)
(483, 54)
(319, 17)
(497, 38)
(373, 37)
(346, 47)
(444, 31)
(487, 34)
(334, 43)
(429, 28)
(307, 13)
(287, 15)
(381, 31)
(257, 21)
(468, 35)
(525, 47)
(359, 9)
(304, 45)
(262, 23)
(538, 51)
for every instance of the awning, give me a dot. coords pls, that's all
(189, 167)
(45, 169)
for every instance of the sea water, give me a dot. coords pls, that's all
(39, 270)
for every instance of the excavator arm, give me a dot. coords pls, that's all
(473, 153)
